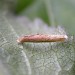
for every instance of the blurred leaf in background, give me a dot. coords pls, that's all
(33, 8)
(22, 4)
(61, 12)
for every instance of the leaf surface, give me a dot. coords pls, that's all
(33, 58)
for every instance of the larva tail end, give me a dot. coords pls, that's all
(18, 41)
(66, 37)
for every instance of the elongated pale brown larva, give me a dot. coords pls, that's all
(42, 38)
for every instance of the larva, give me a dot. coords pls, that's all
(42, 38)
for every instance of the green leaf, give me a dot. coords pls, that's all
(22, 4)
(37, 8)
(33, 58)
(57, 12)
(53, 12)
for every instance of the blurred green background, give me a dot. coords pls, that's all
(52, 12)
